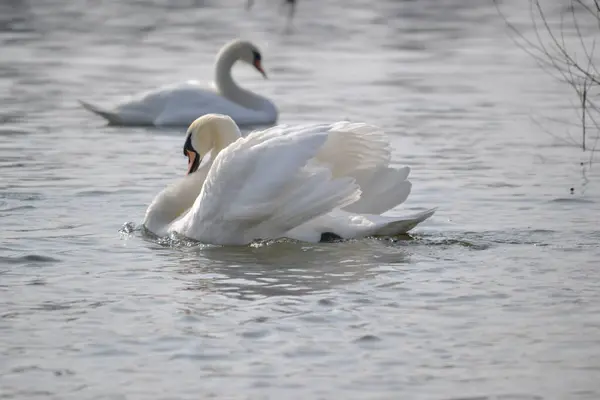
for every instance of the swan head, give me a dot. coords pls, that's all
(210, 132)
(248, 53)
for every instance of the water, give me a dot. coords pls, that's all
(495, 297)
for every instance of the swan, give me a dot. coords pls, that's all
(181, 103)
(306, 183)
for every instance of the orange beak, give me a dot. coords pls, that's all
(191, 158)
(258, 66)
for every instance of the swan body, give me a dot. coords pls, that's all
(283, 182)
(181, 103)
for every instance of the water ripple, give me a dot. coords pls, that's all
(500, 289)
(30, 259)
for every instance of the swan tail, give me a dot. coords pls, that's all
(112, 118)
(347, 225)
(393, 226)
(382, 189)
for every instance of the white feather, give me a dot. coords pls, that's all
(362, 151)
(245, 198)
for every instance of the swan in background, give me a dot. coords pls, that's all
(305, 183)
(180, 104)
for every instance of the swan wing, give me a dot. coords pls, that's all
(144, 107)
(263, 185)
(383, 188)
(363, 152)
(191, 101)
(351, 147)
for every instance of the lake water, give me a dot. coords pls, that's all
(497, 296)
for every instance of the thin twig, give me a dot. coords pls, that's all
(582, 75)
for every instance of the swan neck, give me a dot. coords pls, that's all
(174, 201)
(229, 89)
(223, 78)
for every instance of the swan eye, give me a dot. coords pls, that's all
(256, 55)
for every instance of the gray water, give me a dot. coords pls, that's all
(495, 297)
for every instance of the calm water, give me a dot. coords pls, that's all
(496, 297)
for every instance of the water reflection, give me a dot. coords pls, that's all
(281, 269)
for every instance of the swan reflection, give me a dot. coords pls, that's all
(282, 268)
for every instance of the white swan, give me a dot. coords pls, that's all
(180, 104)
(302, 183)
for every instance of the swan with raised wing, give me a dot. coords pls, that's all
(306, 183)
(181, 103)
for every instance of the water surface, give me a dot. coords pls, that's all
(495, 297)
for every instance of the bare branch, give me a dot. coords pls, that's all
(577, 68)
